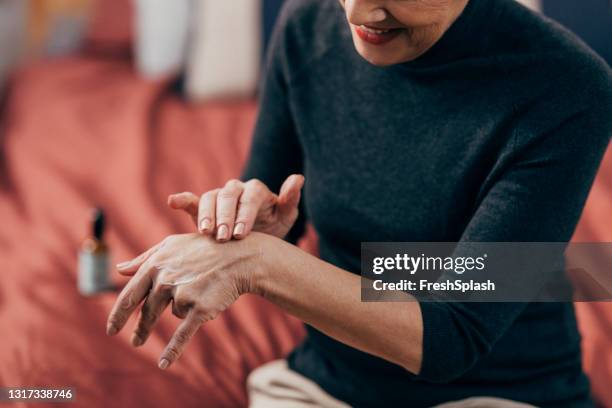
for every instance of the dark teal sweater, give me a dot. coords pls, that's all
(495, 134)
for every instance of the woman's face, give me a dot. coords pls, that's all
(387, 32)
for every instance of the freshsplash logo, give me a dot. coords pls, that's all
(485, 271)
(414, 264)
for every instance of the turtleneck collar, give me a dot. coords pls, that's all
(464, 38)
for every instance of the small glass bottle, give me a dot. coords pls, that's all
(94, 259)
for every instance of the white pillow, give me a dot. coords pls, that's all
(225, 54)
(12, 34)
(162, 30)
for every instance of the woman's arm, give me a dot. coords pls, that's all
(329, 299)
(538, 198)
(203, 277)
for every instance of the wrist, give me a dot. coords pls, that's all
(265, 263)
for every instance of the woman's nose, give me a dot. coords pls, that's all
(364, 11)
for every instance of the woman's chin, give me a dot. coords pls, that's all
(385, 56)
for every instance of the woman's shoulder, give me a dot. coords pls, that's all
(535, 45)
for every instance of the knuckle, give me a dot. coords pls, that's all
(199, 313)
(233, 184)
(146, 321)
(161, 287)
(181, 337)
(158, 265)
(248, 205)
(180, 308)
(207, 196)
(247, 200)
(206, 314)
(172, 353)
(181, 314)
(255, 183)
(214, 277)
(166, 291)
(245, 215)
(257, 186)
(224, 216)
(141, 331)
(180, 302)
(115, 320)
(126, 301)
(227, 194)
(148, 316)
(231, 188)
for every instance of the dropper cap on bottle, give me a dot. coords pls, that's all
(98, 224)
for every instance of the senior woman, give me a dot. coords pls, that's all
(411, 120)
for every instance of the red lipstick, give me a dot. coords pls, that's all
(376, 36)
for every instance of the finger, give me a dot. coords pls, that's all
(130, 297)
(254, 195)
(206, 212)
(181, 337)
(187, 202)
(181, 308)
(289, 198)
(184, 201)
(153, 307)
(129, 268)
(227, 201)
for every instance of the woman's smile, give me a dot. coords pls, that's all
(389, 32)
(377, 36)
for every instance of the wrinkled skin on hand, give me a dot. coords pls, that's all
(199, 276)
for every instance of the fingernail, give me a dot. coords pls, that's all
(205, 224)
(123, 265)
(222, 232)
(136, 341)
(111, 330)
(239, 229)
(163, 363)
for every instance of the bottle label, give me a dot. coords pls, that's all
(93, 273)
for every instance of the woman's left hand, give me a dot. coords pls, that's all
(201, 277)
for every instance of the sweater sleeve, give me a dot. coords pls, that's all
(539, 197)
(275, 151)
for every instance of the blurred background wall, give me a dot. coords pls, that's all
(591, 19)
(169, 37)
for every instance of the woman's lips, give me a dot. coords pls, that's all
(376, 36)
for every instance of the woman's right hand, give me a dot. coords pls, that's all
(241, 207)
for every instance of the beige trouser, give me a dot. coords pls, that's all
(274, 385)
